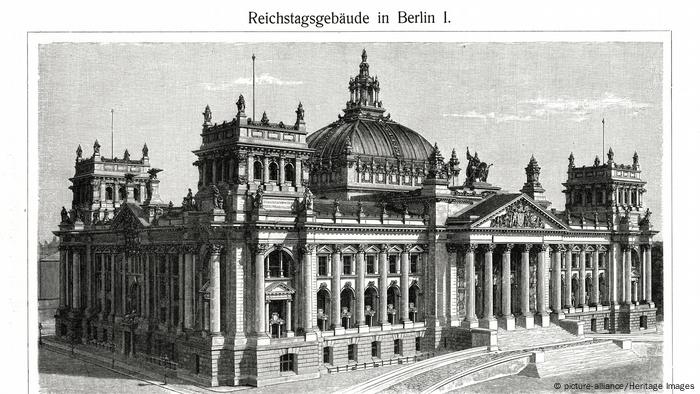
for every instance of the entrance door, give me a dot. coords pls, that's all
(127, 343)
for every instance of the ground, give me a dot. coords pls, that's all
(61, 373)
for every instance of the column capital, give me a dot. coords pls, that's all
(600, 248)
(261, 248)
(361, 248)
(626, 247)
(527, 247)
(216, 249)
(559, 247)
(489, 247)
(570, 247)
(453, 248)
(307, 248)
(508, 247)
(337, 249)
(384, 248)
(469, 248)
(407, 248)
(544, 248)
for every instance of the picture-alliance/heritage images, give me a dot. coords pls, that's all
(242, 214)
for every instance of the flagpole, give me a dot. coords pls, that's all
(253, 87)
(112, 111)
(603, 138)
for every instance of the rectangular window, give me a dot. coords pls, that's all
(397, 347)
(376, 346)
(418, 344)
(414, 263)
(393, 267)
(370, 264)
(327, 352)
(322, 265)
(352, 352)
(287, 362)
(347, 265)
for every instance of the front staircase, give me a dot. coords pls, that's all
(565, 360)
(522, 338)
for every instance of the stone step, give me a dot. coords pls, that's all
(580, 358)
(523, 338)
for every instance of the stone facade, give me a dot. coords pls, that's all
(293, 258)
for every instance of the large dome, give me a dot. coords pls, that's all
(364, 130)
(364, 151)
(369, 138)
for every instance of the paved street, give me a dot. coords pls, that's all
(60, 373)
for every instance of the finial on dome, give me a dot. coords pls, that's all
(364, 55)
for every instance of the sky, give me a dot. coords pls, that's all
(506, 101)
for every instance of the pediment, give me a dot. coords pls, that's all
(521, 213)
(127, 219)
(279, 289)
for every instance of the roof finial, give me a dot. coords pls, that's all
(144, 150)
(79, 152)
(611, 155)
(635, 160)
(571, 160)
(364, 55)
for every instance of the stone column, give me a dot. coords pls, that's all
(542, 309)
(103, 290)
(189, 294)
(488, 320)
(281, 176)
(360, 287)
(181, 290)
(505, 288)
(582, 277)
(383, 285)
(288, 320)
(556, 281)
(124, 290)
(261, 316)
(266, 170)
(404, 284)
(567, 277)
(309, 289)
(76, 279)
(470, 319)
(627, 266)
(215, 290)
(336, 319)
(527, 317)
(62, 283)
(647, 278)
(147, 281)
(88, 278)
(595, 289)
(612, 274)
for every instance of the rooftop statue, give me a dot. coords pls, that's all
(240, 104)
(477, 171)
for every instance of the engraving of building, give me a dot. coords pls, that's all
(353, 244)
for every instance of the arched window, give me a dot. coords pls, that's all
(257, 171)
(279, 264)
(122, 193)
(289, 173)
(323, 303)
(137, 194)
(347, 307)
(109, 193)
(415, 309)
(371, 298)
(274, 171)
(392, 302)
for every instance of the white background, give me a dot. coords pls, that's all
(18, 171)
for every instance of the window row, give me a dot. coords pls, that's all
(376, 346)
(349, 264)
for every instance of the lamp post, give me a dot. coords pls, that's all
(164, 360)
(323, 317)
(391, 311)
(345, 314)
(369, 312)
